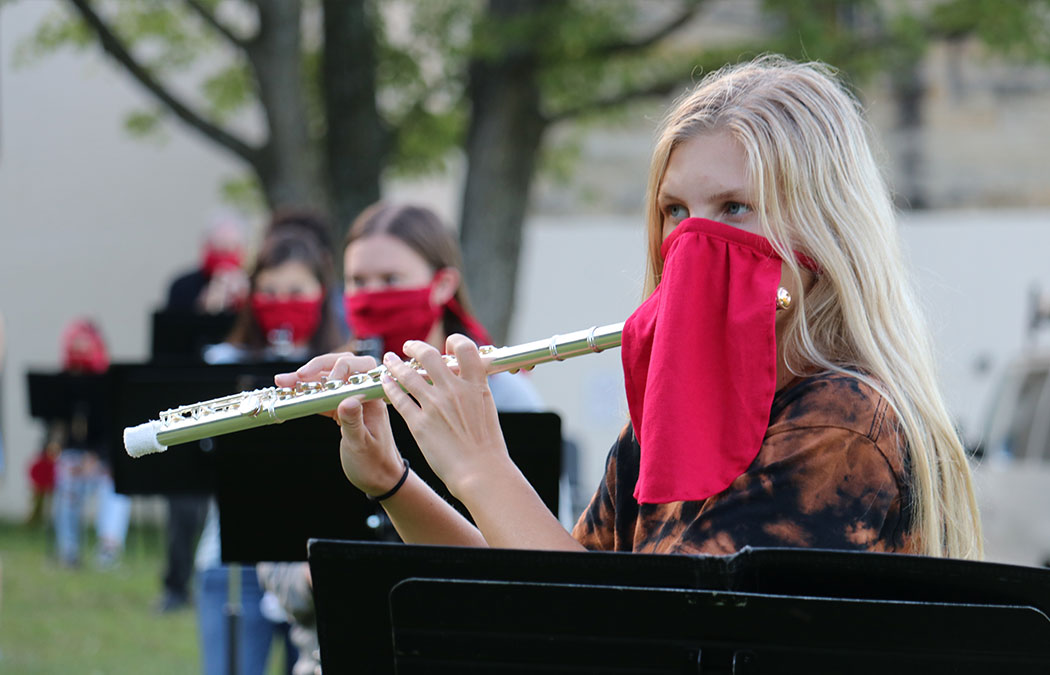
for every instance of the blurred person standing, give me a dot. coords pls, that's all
(286, 316)
(82, 465)
(403, 280)
(217, 285)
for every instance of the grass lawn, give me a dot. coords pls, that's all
(89, 621)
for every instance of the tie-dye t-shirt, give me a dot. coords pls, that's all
(831, 474)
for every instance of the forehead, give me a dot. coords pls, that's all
(289, 273)
(382, 253)
(711, 161)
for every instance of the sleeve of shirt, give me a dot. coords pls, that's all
(826, 487)
(598, 524)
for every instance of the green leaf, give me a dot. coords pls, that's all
(244, 193)
(145, 124)
(229, 90)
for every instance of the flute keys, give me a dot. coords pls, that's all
(251, 405)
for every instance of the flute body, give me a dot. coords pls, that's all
(273, 405)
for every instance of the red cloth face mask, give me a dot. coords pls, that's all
(300, 317)
(699, 360)
(396, 315)
(217, 260)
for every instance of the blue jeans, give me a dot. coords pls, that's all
(79, 475)
(254, 631)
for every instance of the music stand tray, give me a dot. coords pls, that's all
(456, 626)
(362, 618)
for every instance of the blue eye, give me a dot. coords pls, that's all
(677, 212)
(736, 208)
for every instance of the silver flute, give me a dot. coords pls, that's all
(273, 405)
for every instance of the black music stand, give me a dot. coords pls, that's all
(58, 395)
(181, 336)
(280, 485)
(508, 627)
(413, 609)
(139, 392)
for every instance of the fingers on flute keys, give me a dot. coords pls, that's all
(402, 378)
(466, 352)
(334, 366)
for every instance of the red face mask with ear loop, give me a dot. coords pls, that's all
(393, 315)
(700, 361)
(396, 315)
(300, 317)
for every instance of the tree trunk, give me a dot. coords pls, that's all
(356, 145)
(287, 167)
(506, 131)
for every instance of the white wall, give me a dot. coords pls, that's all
(91, 222)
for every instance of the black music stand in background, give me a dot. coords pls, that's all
(278, 486)
(180, 337)
(58, 395)
(418, 609)
(139, 392)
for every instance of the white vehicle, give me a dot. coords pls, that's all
(1013, 477)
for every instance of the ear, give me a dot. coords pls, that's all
(445, 284)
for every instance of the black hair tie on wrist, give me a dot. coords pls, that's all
(390, 493)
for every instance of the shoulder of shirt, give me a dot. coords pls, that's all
(831, 400)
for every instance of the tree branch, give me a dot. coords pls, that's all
(688, 11)
(659, 88)
(113, 45)
(209, 18)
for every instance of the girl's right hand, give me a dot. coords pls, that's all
(367, 452)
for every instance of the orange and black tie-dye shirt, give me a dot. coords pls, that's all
(830, 474)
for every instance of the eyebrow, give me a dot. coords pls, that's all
(730, 195)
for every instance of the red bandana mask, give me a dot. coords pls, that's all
(699, 360)
(399, 314)
(394, 315)
(218, 260)
(300, 317)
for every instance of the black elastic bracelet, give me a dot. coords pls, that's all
(393, 490)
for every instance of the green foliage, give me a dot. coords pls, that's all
(245, 193)
(229, 90)
(424, 140)
(1019, 29)
(58, 29)
(145, 124)
(578, 51)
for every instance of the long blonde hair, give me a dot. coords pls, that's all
(819, 191)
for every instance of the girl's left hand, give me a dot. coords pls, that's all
(454, 419)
